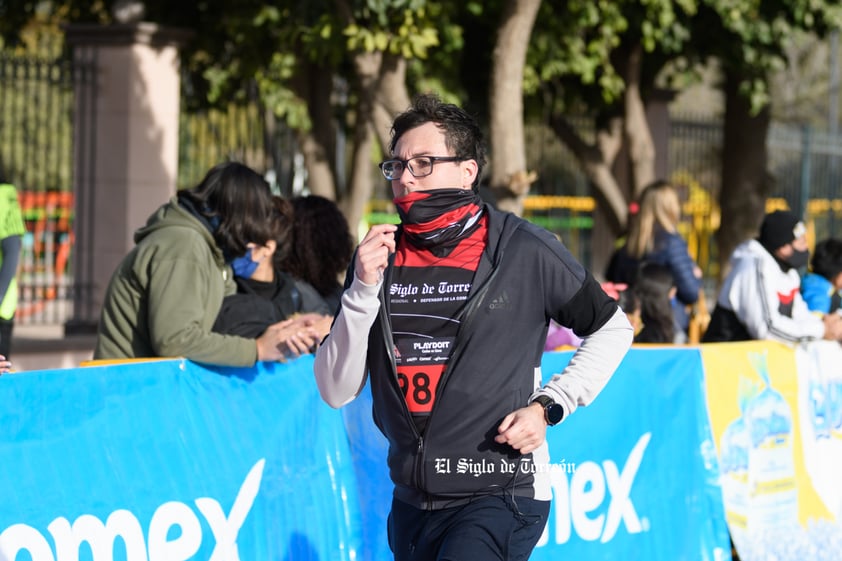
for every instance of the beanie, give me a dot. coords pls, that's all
(780, 228)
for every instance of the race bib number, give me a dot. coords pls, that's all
(418, 384)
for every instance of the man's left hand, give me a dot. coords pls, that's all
(524, 429)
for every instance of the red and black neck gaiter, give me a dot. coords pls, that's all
(438, 219)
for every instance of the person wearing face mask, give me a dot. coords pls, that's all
(165, 295)
(266, 294)
(761, 298)
(447, 313)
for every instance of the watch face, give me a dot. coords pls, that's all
(553, 413)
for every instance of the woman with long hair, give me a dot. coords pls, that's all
(653, 237)
(322, 246)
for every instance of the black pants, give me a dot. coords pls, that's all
(488, 528)
(6, 336)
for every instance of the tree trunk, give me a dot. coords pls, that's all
(360, 183)
(641, 147)
(319, 173)
(596, 161)
(320, 108)
(318, 145)
(392, 98)
(745, 182)
(510, 180)
(381, 94)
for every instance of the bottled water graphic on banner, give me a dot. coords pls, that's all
(834, 408)
(818, 402)
(734, 447)
(819, 399)
(780, 481)
(829, 441)
(773, 496)
(835, 422)
(834, 405)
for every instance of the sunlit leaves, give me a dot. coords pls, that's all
(752, 36)
(411, 36)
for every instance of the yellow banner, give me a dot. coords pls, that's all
(776, 417)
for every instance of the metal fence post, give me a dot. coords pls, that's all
(806, 169)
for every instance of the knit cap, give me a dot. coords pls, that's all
(780, 228)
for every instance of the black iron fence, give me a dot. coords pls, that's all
(805, 168)
(36, 155)
(243, 133)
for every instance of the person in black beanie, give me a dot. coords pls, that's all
(761, 298)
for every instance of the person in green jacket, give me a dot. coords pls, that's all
(11, 236)
(166, 293)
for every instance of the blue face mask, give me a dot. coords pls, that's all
(243, 266)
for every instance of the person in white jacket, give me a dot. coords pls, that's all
(760, 298)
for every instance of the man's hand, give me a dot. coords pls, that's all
(524, 429)
(373, 253)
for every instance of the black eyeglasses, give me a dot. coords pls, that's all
(420, 166)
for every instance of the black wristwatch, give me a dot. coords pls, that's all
(553, 412)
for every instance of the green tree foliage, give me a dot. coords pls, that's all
(606, 58)
(749, 37)
(602, 58)
(285, 56)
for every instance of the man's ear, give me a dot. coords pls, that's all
(470, 170)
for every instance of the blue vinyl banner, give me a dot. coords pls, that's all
(634, 474)
(170, 461)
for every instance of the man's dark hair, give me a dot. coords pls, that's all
(238, 202)
(462, 134)
(827, 258)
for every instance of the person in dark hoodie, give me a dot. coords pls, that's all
(265, 293)
(166, 293)
(448, 314)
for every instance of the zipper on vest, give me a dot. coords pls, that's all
(469, 313)
(419, 471)
(389, 343)
(470, 310)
